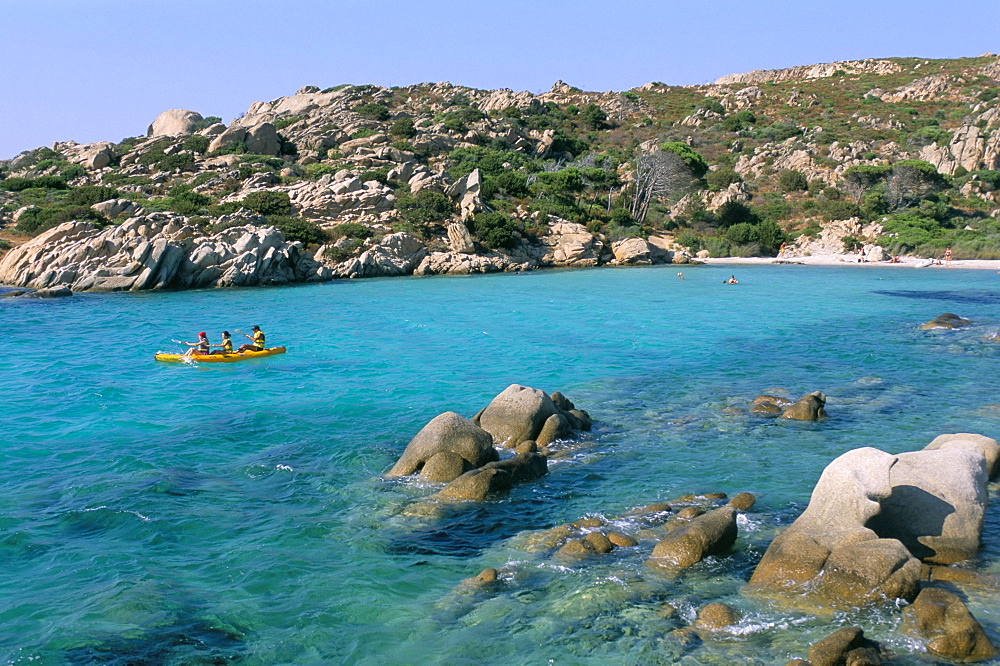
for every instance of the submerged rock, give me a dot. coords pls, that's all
(947, 320)
(846, 646)
(713, 533)
(808, 408)
(942, 619)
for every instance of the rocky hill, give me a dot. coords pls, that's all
(902, 154)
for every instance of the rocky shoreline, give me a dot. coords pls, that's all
(887, 532)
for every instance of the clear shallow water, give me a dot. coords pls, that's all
(185, 514)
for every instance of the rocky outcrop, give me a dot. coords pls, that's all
(943, 621)
(396, 254)
(828, 554)
(92, 155)
(175, 122)
(805, 72)
(157, 251)
(872, 514)
(521, 413)
(331, 197)
(938, 498)
(830, 239)
(448, 443)
(259, 139)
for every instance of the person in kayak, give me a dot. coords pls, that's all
(227, 344)
(199, 348)
(257, 338)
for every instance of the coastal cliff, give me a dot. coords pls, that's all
(901, 154)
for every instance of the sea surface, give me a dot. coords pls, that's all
(163, 513)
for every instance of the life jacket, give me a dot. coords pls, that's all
(203, 346)
(258, 340)
(227, 345)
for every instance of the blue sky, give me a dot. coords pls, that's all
(91, 70)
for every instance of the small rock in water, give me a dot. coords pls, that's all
(715, 616)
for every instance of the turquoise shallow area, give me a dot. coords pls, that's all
(235, 513)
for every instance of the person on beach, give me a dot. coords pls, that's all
(227, 344)
(257, 343)
(781, 250)
(947, 256)
(199, 348)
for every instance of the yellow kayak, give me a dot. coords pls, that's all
(220, 358)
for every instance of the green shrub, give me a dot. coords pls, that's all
(235, 148)
(286, 122)
(593, 117)
(381, 175)
(494, 230)
(36, 220)
(318, 169)
(792, 181)
(364, 133)
(373, 110)
(17, 184)
(88, 195)
(689, 239)
(298, 229)
(714, 105)
(196, 143)
(839, 209)
(350, 230)
(425, 207)
(72, 171)
(268, 203)
(721, 178)
(739, 121)
(717, 246)
(403, 128)
(695, 162)
(734, 212)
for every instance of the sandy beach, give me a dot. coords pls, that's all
(852, 260)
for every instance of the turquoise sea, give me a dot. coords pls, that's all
(156, 513)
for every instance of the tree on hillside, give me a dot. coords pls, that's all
(860, 178)
(909, 181)
(657, 175)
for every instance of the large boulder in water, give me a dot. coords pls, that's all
(521, 413)
(446, 435)
(828, 553)
(808, 408)
(938, 499)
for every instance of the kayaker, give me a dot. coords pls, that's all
(199, 348)
(257, 338)
(227, 344)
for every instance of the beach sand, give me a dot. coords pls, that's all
(852, 260)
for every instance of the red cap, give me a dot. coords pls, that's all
(202, 335)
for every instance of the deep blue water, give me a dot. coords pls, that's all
(235, 513)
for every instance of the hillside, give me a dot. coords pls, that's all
(435, 178)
